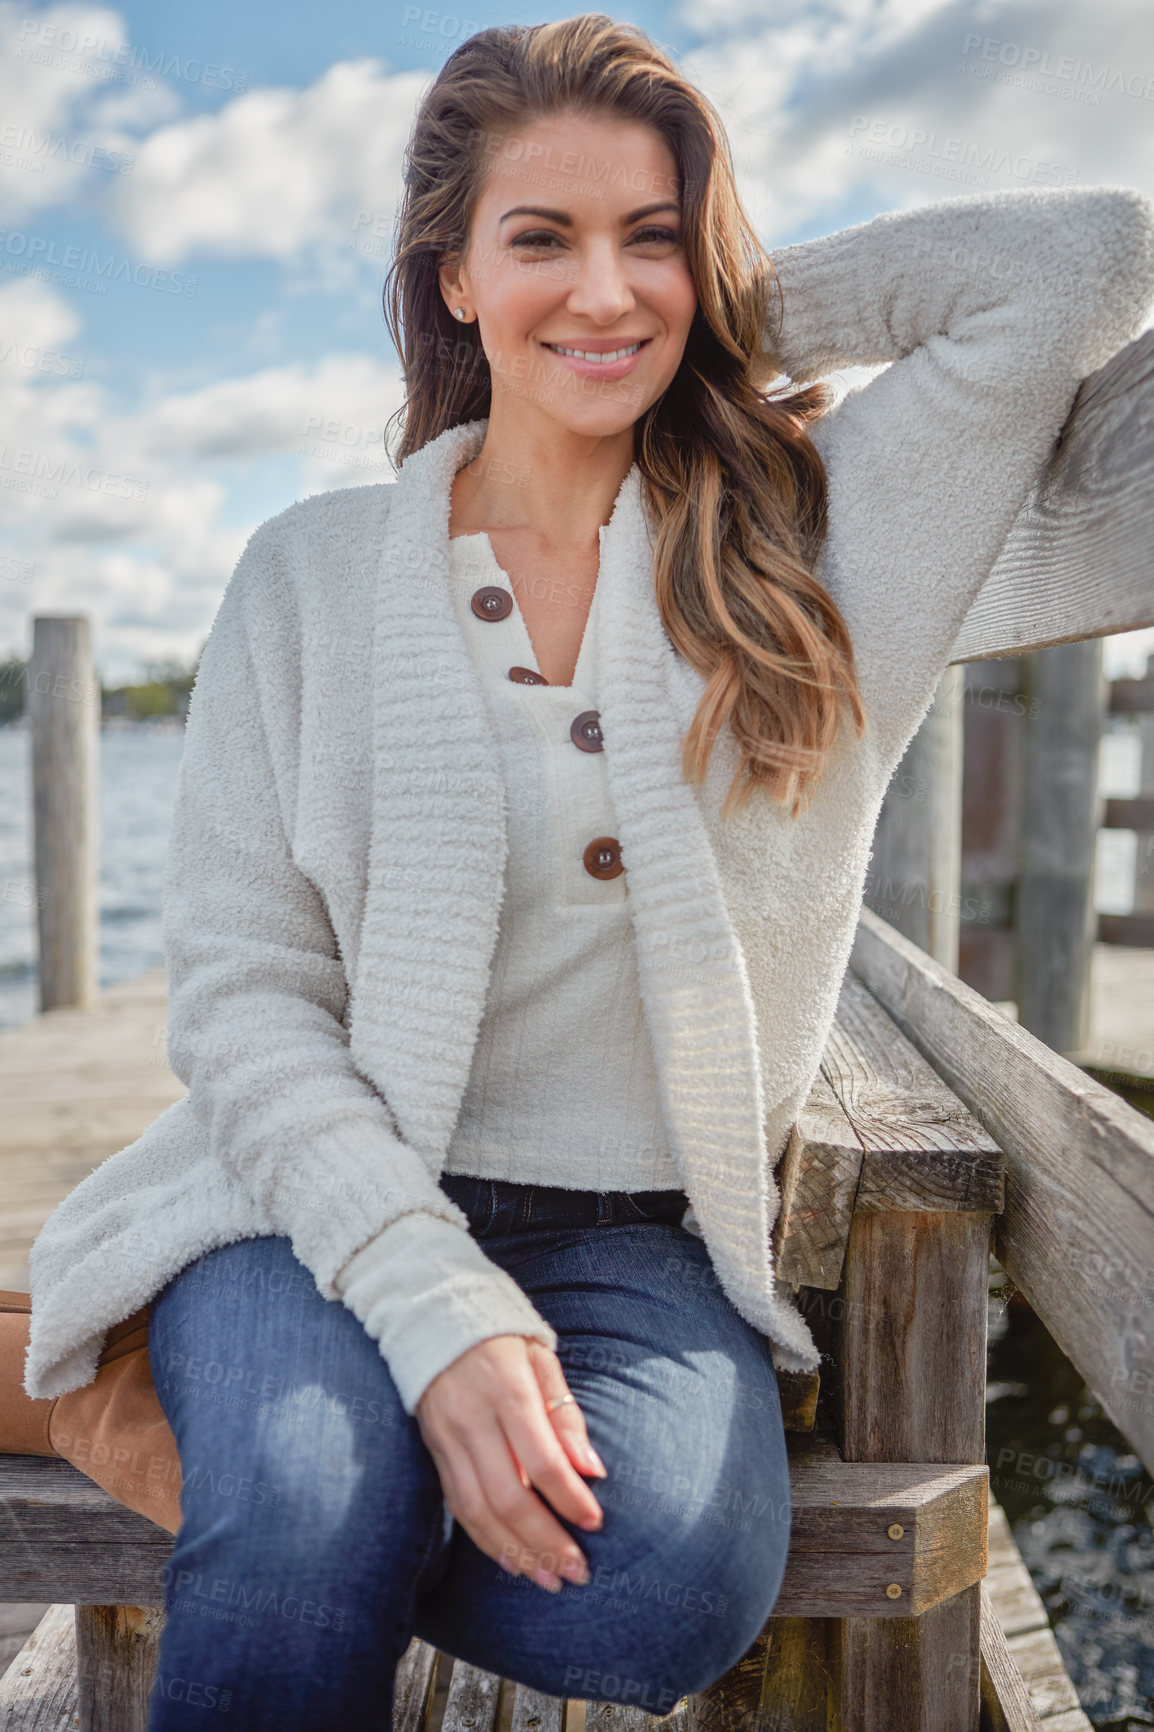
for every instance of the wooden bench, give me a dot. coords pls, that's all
(889, 1191)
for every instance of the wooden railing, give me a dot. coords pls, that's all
(1077, 565)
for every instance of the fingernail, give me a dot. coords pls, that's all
(546, 1579)
(590, 1456)
(575, 1570)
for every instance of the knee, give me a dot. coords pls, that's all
(693, 1589)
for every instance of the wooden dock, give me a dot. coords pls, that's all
(77, 1086)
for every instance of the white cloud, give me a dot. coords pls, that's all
(801, 92)
(273, 172)
(57, 139)
(342, 399)
(124, 516)
(35, 322)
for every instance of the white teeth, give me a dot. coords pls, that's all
(584, 354)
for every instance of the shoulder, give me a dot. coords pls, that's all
(318, 523)
(321, 548)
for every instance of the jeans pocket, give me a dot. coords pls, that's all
(476, 1197)
(661, 1206)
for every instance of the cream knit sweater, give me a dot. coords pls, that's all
(337, 856)
(563, 1079)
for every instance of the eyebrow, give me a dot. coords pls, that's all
(560, 216)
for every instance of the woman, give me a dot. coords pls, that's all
(520, 837)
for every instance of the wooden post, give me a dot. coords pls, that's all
(991, 824)
(906, 1338)
(116, 1654)
(1144, 863)
(64, 714)
(1060, 819)
(1135, 698)
(915, 875)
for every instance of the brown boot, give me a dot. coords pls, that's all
(113, 1429)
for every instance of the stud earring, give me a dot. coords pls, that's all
(458, 312)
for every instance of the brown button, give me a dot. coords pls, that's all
(527, 677)
(492, 602)
(602, 858)
(585, 731)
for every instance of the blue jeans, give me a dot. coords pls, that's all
(315, 1540)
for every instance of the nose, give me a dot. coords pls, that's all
(601, 291)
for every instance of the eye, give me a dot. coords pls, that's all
(653, 232)
(534, 237)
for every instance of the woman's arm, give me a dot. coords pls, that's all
(991, 309)
(257, 995)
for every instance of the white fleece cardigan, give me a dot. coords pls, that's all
(338, 841)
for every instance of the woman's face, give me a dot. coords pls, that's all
(576, 242)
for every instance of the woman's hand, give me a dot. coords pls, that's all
(485, 1424)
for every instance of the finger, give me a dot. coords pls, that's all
(537, 1448)
(508, 1522)
(567, 1420)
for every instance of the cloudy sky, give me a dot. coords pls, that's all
(196, 204)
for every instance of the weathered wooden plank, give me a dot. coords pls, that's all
(116, 1655)
(1054, 909)
(533, 1711)
(1077, 1233)
(64, 1538)
(840, 1547)
(38, 1691)
(818, 1179)
(908, 1380)
(1005, 1699)
(1039, 1660)
(907, 1349)
(472, 1702)
(923, 1150)
(81, 1084)
(919, 1678)
(1076, 563)
(914, 878)
(613, 1717)
(412, 1686)
(1016, 1602)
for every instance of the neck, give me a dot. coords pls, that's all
(554, 485)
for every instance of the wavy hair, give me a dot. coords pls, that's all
(735, 486)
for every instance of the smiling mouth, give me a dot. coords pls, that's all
(602, 357)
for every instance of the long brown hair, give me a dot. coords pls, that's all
(736, 488)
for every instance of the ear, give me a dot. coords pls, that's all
(449, 277)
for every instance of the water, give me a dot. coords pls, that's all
(1078, 1499)
(1080, 1504)
(138, 767)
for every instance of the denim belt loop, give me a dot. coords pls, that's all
(606, 1212)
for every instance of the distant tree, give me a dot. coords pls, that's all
(13, 688)
(164, 691)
